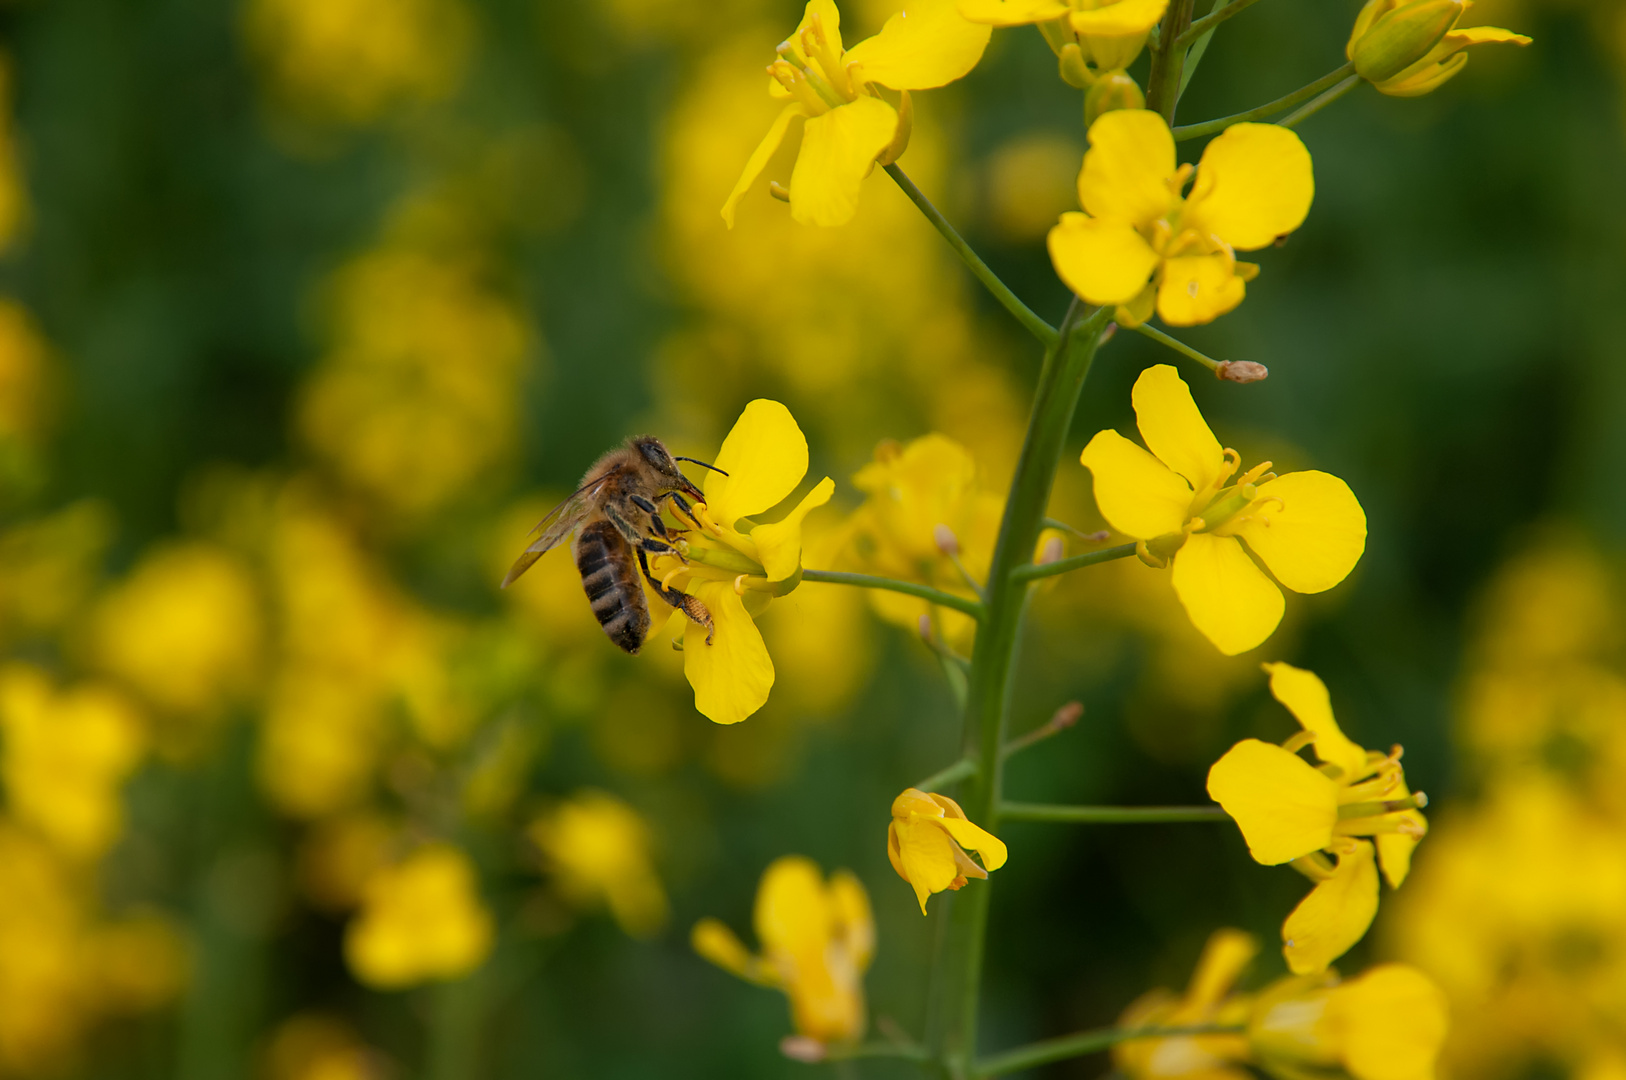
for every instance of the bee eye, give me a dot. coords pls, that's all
(656, 455)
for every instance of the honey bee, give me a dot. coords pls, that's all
(618, 512)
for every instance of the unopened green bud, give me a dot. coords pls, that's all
(1112, 90)
(1401, 37)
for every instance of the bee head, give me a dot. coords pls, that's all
(662, 461)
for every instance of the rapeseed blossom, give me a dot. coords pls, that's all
(849, 126)
(926, 843)
(1407, 48)
(1093, 39)
(1290, 811)
(817, 941)
(421, 919)
(1209, 999)
(1183, 506)
(599, 850)
(1142, 244)
(734, 566)
(1386, 1024)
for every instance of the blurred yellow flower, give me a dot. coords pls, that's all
(24, 406)
(849, 126)
(13, 196)
(600, 851)
(312, 1046)
(1140, 244)
(49, 566)
(734, 566)
(1407, 48)
(319, 743)
(67, 753)
(339, 855)
(1288, 811)
(926, 843)
(421, 919)
(1208, 1000)
(817, 940)
(1109, 33)
(1386, 1024)
(1306, 527)
(138, 963)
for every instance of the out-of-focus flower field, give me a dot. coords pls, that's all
(310, 309)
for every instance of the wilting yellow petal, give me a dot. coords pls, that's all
(765, 457)
(1227, 597)
(1137, 494)
(838, 151)
(851, 905)
(1198, 289)
(1254, 184)
(925, 45)
(717, 943)
(759, 158)
(978, 839)
(1013, 12)
(1119, 19)
(731, 676)
(1391, 1021)
(927, 856)
(1335, 915)
(779, 544)
(1285, 807)
(1306, 697)
(1394, 849)
(1127, 167)
(1103, 260)
(1174, 428)
(1313, 537)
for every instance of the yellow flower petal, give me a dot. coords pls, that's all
(1120, 19)
(1013, 12)
(1335, 915)
(1306, 697)
(926, 45)
(990, 847)
(1227, 597)
(1314, 537)
(838, 151)
(765, 457)
(829, 17)
(1137, 494)
(779, 544)
(853, 914)
(790, 914)
(717, 943)
(1424, 78)
(1224, 958)
(1254, 183)
(1198, 289)
(1394, 849)
(1173, 428)
(1285, 807)
(731, 676)
(1127, 167)
(1460, 39)
(1392, 1020)
(759, 158)
(1103, 260)
(927, 857)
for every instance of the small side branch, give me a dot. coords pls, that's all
(1065, 717)
(942, 778)
(1084, 1042)
(1033, 571)
(908, 588)
(1322, 102)
(1263, 112)
(1208, 22)
(1110, 815)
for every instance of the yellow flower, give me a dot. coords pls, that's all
(1108, 33)
(817, 941)
(420, 919)
(311, 1046)
(1140, 244)
(1387, 1024)
(849, 126)
(734, 566)
(1207, 1000)
(599, 849)
(1306, 528)
(1289, 811)
(1407, 48)
(924, 842)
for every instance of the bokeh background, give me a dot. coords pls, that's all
(312, 307)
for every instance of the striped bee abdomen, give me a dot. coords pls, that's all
(610, 576)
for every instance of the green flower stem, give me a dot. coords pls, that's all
(1302, 94)
(953, 774)
(1198, 39)
(1323, 101)
(990, 280)
(908, 588)
(877, 1049)
(1168, 60)
(953, 1019)
(1110, 815)
(1085, 1042)
(1147, 330)
(1206, 24)
(1034, 571)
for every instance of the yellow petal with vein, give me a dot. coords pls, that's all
(779, 544)
(1285, 807)
(764, 456)
(1254, 183)
(1334, 916)
(1314, 537)
(978, 839)
(1198, 289)
(1121, 19)
(1174, 428)
(1393, 1020)
(1013, 12)
(1127, 167)
(1227, 597)
(1137, 494)
(838, 151)
(1104, 260)
(926, 45)
(759, 159)
(1306, 697)
(731, 676)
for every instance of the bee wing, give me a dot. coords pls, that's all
(556, 525)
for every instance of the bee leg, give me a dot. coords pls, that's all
(689, 605)
(642, 503)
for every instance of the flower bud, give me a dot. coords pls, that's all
(1241, 371)
(1400, 36)
(1112, 90)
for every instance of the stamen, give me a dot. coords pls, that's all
(1294, 743)
(1233, 462)
(739, 584)
(1253, 474)
(666, 579)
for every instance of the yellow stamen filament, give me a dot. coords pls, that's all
(1233, 462)
(666, 580)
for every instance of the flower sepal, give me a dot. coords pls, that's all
(1398, 37)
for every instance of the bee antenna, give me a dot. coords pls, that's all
(702, 464)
